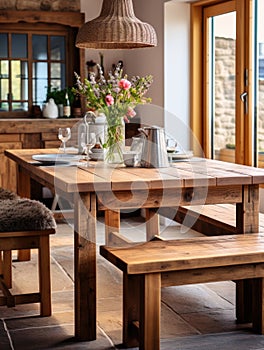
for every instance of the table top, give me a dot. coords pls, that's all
(195, 172)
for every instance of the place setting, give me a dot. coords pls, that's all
(176, 153)
(71, 157)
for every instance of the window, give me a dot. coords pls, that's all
(34, 58)
(258, 106)
(220, 92)
(222, 78)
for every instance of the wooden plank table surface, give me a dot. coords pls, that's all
(196, 182)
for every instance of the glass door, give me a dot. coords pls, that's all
(222, 97)
(220, 76)
(259, 84)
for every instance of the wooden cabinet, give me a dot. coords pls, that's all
(50, 140)
(26, 133)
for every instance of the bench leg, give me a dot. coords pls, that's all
(44, 276)
(131, 294)
(141, 302)
(150, 305)
(1, 262)
(244, 301)
(7, 268)
(258, 305)
(24, 255)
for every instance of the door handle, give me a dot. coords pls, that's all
(243, 98)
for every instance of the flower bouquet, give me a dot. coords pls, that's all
(115, 97)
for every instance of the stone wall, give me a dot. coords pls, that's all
(224, 92)
(261, 117)
(41, 5)
(225, 96)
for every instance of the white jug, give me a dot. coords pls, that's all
(50, 110)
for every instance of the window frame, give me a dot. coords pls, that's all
(199, 109)
(52, 23)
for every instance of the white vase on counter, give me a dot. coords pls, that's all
(50, 110)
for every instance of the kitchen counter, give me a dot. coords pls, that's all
(27, 133)
(32, 125)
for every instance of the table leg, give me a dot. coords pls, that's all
(247, 221)
(247, 212)
(23, 183)
(23, 190)
(112, 224)
(85, 265)
(152, 224)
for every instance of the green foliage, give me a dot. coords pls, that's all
(122, 97)
(59, 95)
(230, 146)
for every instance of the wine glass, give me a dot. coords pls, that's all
(91, 141)
(64, 135)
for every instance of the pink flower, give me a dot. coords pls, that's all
(130, 112)
(124, 84)
(109, 100)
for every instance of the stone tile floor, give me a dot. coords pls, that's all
(193, 316)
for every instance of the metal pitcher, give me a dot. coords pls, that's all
(154, 151)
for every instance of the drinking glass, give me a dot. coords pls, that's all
(91, 141)
(64, 135)
(171, 145)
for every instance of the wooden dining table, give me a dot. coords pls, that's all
(195, 181)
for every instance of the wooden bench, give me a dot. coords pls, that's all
(211, 219)
(25, 224)
(26, 240)
(151, 265)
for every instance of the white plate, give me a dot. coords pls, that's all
(180, 155)
(60, 158)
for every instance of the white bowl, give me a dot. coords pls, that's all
(96, 156)
(129, 158)
(97, 150)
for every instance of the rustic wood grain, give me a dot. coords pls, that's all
(73, 19)
(85, 265)
(149, 330)
(177, 262)
(26, 133)
(193, 253)
(183, 184)
(112, 223)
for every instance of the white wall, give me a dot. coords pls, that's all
(92, 9)
(168, 62)
(177, 71)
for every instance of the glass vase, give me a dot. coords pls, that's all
(115, 142)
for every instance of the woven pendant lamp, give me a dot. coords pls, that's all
(116, 28)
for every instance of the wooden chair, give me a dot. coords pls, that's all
(25, 224)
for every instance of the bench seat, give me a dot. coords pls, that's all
(149, 266)
(25, 224)
(211, 219)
